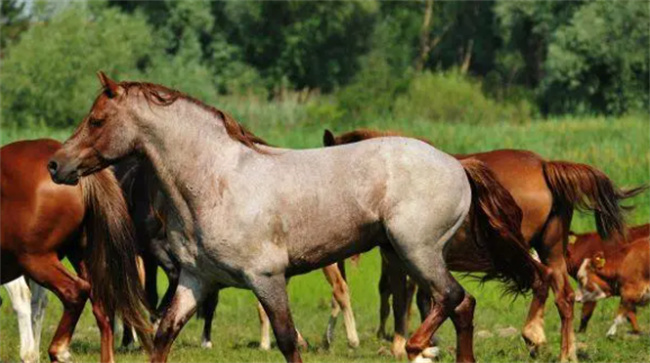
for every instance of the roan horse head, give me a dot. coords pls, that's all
(103, 137)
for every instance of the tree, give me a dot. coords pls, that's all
(49, 75)
(13, 20)
(598, 61)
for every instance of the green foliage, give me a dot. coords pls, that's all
(356, 60)
(599, 61)
(13, 21)
(374, 89)
(312, 44)
(452, 97)
(49, 76)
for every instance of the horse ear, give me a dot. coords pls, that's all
(328, 138)
(111, 88)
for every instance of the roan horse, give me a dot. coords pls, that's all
(145, 201)
(43, 222)
(249, 216)
(547, 192)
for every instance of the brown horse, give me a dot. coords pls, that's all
(547, 193)
(43, 222)
(590, 246)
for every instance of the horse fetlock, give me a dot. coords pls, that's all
(353, 342)
(265, 345)
(63, 356)
(30, 357)
(421, 359)
(399, 348)
(431, 352)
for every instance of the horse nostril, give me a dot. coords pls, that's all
(52, 167)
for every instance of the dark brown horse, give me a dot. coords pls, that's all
(42, 222)
(547, 193)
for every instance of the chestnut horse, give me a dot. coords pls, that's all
(590, 246)
(547, 192)
(43, 222)
(249, 216)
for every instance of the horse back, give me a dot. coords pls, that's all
(38, 216)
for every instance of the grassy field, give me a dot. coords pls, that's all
(620, 147)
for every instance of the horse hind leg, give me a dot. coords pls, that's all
(340, 302)
(20, 297)
(265, 328)
(422, 255)
(73, 292)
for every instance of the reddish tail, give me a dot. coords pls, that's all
(589, 189)
(496, 220)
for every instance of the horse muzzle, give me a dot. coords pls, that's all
(62, 170)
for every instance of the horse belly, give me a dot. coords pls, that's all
(327, 248)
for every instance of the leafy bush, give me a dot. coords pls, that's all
(599, 61)
(452, 97)
(49, 76)
(374, 89)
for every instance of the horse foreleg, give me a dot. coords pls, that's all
(384, 300)
(587, 310)
(564, 302)
(271, 291)
(340, 300)
(39, 303)
(397, 280)
(20, 297)
(209, 307)
(73, 292)
(189, 293)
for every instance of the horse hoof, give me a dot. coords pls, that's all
(265, 346)
(63, 357)
(431, 352)
(206, 344)
(421, 359)
(353, 343)
(31, 357)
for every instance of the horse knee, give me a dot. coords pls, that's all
(453, 296)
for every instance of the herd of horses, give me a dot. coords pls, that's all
(155, 178)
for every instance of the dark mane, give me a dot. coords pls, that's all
(163, 96)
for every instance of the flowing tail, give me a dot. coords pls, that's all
(496, 219)
(111, 253)
(588, 189)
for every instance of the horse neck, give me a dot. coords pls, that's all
(185, 146)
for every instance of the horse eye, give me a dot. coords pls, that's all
(95, 122)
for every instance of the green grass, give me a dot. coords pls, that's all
(620, 147)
